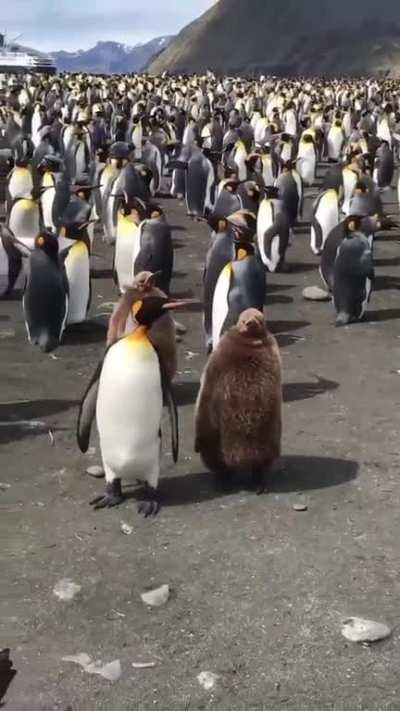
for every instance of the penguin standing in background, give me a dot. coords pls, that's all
(74, 246)
(288, 192)
(129, 382)
(350, 179)
(127, 244)
(241, 284)
(325, 218)
(45, 301)
(273, 231)
(25, 218)
(335, 140)
(384, 166)
(354, 223)
(11, 253)
(353, 278)
(200, 184)
(228, 200)
(307, 159)
(156, 252)
(238, 416)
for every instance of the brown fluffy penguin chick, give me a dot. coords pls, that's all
(161, 334)
(238, 417)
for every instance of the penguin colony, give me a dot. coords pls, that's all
(84, 158)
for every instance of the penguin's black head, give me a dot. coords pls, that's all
(151, 308)
(47, 242)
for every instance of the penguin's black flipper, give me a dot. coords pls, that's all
(87, 410)
(170, 402)
(7, 673)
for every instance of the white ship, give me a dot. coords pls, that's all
(15, 58)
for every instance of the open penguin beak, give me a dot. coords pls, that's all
(179, 304)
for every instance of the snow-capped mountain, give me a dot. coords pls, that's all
(111, 57)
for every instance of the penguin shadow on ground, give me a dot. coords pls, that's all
(85, 333)
(390, 262)
(4, 318)
(301, 267)
(386, 282)
(273, 296)
(186, 393)
(178, 228)
(19, 420)
(178, 244)
(179, 274)
(295, 473)
(281, 330)
(381, 315)
(303, 473)
(101, 273)
(294, 392)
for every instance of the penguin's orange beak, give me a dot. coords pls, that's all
(179, 303)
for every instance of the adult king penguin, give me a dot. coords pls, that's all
(126, 394)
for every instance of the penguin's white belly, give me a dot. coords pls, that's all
(47, 208)
(127, 247)
(77, 267)
(24, 220)
(20, 184)
(328, 218)
(220, 307)
(264, 222)
(129, 410)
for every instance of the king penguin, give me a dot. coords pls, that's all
(126, 394)
(325, 217)
(353, 278)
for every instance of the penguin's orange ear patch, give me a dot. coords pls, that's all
(40, 241)
(136, 307)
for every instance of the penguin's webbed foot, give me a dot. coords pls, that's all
(152, 505)
(258, 481)
(112, 497)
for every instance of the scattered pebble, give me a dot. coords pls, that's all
(126, 528)
(207, 680)
(300, 507)
(180, 328)
(189, 355)
(96, 471)
(355, 629)
(4, 487)
(7, 334)
(66, 589)
(156, 598)
(110, 671)
(143, 665)
(315, 293)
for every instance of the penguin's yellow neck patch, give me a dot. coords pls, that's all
(126, 224)
(79, 249)
(138, 338)
(48, 180)
(242, 254)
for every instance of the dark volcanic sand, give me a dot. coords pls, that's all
(259, 590)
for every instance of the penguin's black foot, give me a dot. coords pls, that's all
(152, 506)
(258, 481)
(284, 268)
(112, 497)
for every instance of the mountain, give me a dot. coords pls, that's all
(110, 57)
(294, 37)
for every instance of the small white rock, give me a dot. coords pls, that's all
(143, 665)
(126, 528)
(96, 471)
(156, 598)
(207, 680)
(66, 589)
(110, 671)
(356, 629)
(315, 293)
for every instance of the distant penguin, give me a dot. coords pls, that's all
(45, 301)
(273, 231)
(350, 178)
(74, 248)
(129, 382)
(354, 223)
(335, 141)
(156, 252)
(384, 166)
(241, 285)
(238, 415)
(25, 219)
(353, 278)
(307, 159)
(200, 184)
(19, 183)
(325, 218)
(12, 275)
(228, 200)
(127, 245)
(288, 192)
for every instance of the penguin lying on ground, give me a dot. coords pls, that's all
(126, 394)
(238, 417)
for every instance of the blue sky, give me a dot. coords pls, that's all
(79, 24)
